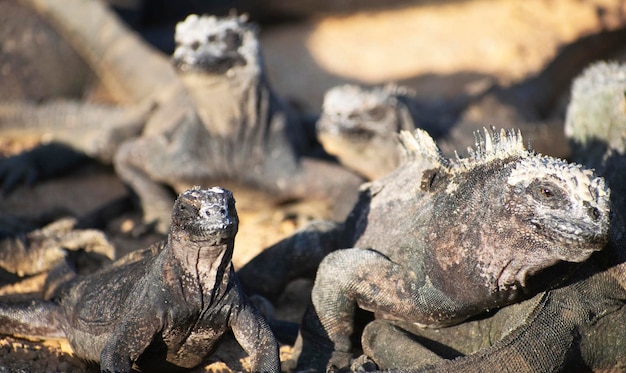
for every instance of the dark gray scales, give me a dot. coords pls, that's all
(496, 219)
(164, 308)
(577, 326)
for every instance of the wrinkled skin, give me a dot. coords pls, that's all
(431, 220)
(164, 308)
(576, 326)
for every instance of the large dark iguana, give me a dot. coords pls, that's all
(576, 326)
(494, 220)
(210, 117)
(163, 308)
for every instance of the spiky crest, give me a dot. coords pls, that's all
(492, 145)
(419, 145)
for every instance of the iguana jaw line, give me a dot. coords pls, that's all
(571, 234)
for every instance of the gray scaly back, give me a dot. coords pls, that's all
(493, 145)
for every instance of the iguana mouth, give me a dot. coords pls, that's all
(215, 233)
(205, 44)
(564, 231)
(207, 63)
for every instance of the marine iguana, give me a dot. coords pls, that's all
(576, 326)
(162, 308)
(495, 220)
(210, 117)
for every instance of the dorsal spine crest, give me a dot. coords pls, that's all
(490, 145)
(419, 145)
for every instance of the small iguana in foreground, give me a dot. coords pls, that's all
(578, 326)
(207, 117)
(438, 241)
(163, 308)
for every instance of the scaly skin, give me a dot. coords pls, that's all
(360, 126)
(576, 326)
(164, 309)
(496, 220)
(238, 132)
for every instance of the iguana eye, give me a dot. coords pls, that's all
(186, 208)
(232, 39)
(547, 193)
(376, 114)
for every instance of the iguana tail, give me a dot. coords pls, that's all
(127, 66)
(34, 319)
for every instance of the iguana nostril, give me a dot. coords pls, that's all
(594, 213)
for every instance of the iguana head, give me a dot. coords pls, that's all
(510, 210)
(562, 203)
(205, 215)
(357, 124)
(215, 45)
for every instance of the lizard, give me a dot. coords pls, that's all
(575, 326)
(209, 116)
(165, 307)
(358, 124)
(497, 219)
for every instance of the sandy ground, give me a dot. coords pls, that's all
(433, 47)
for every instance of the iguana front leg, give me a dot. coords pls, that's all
(129, 340)
(148, 163)
(390, 291)
(254, 335)
(156, 199)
